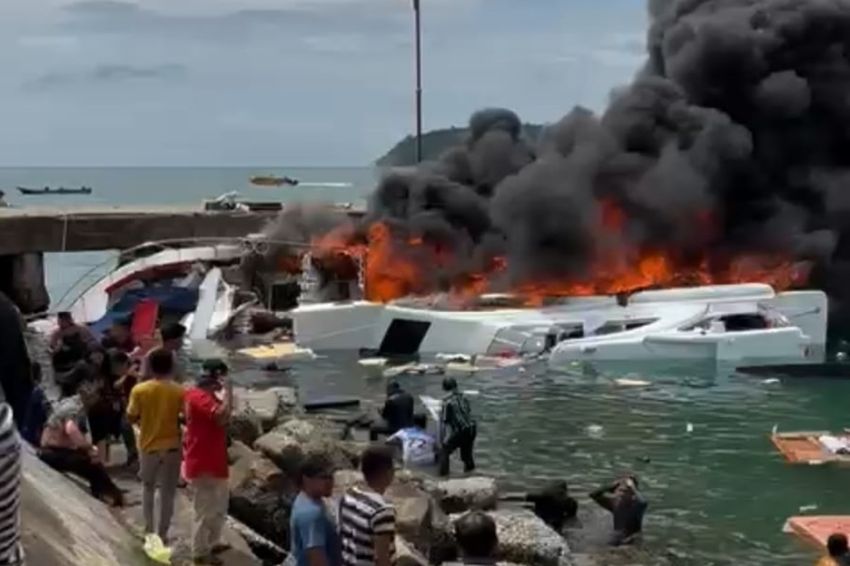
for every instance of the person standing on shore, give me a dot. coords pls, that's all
(458, 428)
(156, 405)
(366, 519)
(313, 537)
(171, 336)
(205, 459)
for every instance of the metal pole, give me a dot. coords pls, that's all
(418, 82)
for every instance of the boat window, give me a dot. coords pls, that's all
(622, 326)
(744, 322)
(732, 323)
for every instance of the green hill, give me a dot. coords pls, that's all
(434, 143)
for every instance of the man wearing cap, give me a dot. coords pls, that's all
(314, 540)
(205, 458)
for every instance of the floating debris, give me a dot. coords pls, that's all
(595, 431)
(631, 382)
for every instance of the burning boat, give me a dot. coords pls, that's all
(748, 323)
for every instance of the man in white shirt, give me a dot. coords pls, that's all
(418, 447)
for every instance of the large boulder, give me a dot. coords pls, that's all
(245, 426)
(261, 495)
(526, 539)
(465, 494)
(268, 406)
(287, 444)
(406, 555)
(249, 467)
(413, 512)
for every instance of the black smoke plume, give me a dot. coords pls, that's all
(740, 118)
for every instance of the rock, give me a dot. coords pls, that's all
(525, 539)
(265, 511)
(265, 406)
(288, 397)
(405, 555)
(251, 467)
(288, 444)
(345, 479)
(245, 426)
(261, 495)
(62, 525)
(465, 494)
(413, 511)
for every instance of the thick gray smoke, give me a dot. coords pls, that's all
(734, 138)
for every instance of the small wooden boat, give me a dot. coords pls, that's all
(272, 181)
(57, 191)
(813, 447)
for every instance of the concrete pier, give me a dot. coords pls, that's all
(27, 233)
(50, 229)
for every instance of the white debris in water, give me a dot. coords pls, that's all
(631, 382)
(595, 431)
(807, 508)
(689, 427)
(771, 381)
(841, 357)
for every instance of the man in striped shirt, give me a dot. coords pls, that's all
(10, 489)
(366, 520)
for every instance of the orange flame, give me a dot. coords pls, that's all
(396, 267)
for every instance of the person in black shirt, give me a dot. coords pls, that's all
(396, 414)
(624, 501)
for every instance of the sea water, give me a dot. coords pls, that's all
(698, 439)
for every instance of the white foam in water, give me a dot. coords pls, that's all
(326, 185)
(595, 431)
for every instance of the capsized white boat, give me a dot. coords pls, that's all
(746, 323)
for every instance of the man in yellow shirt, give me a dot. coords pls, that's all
(156, 406)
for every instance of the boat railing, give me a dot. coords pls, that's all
(251, 244)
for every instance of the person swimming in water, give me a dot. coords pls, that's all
(626, 504)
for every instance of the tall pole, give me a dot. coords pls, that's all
(417, 12)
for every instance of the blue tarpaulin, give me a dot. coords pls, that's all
(178, 300)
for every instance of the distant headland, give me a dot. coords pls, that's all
(434, 143)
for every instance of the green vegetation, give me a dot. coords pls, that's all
(434, 143)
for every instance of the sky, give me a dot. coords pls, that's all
(289, 82)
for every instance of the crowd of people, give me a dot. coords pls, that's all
(111, 390)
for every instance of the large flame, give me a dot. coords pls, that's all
(397, 266)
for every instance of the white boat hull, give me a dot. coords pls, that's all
(653, 325)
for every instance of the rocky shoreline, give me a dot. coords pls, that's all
(271, 436)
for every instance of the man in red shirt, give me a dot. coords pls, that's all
(205, 458)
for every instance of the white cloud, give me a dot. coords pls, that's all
(310, 81)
